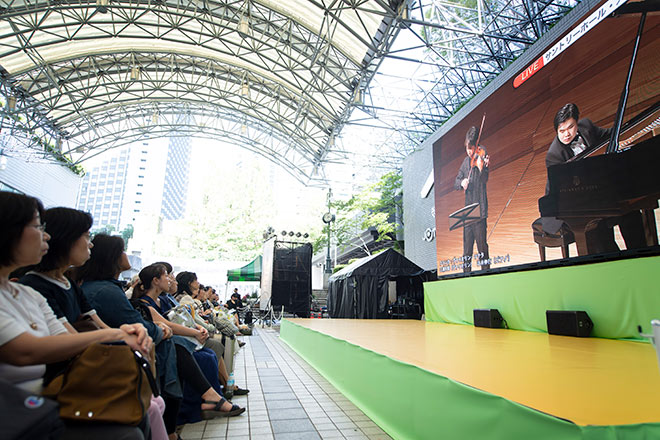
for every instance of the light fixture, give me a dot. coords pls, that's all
(154, 118)
(291, 233)
(102, 6)
(243, 129)
(135, 73)
(358, 98)
(298, 234)
(245, 89)
(403, 11)
(244, 25)
(11, 103)
(283, 233)
(305, 235)
(328, 217)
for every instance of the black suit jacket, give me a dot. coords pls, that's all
(560, 153)
(476, 191)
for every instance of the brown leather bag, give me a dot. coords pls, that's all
(107, 383)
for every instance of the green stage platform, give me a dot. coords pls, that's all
(412, 402)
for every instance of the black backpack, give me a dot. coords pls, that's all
(27, 415)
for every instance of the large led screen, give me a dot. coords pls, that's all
(487, 198)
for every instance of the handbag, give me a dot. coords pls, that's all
(181, 315)
(109, 383)
(26, 415)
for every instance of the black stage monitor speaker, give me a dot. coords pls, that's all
(568, 323)
(490, 318)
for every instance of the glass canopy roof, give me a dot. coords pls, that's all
(280, 78)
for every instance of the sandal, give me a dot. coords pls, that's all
(217, 412)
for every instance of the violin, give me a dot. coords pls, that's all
(478, 158)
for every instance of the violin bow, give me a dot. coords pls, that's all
(481, 129)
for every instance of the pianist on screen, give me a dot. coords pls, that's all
(575, 135)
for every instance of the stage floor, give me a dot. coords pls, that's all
(588, 381)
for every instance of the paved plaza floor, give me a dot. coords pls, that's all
(288, 400)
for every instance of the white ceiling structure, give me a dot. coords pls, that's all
(280, 78)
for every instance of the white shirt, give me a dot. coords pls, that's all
(578, 145)
(16, 315)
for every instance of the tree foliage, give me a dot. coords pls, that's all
(126, 233)
(226, 222)
(378, 208)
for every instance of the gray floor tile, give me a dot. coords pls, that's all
(324, 425)
(277, 389)
(344, 425)
(297, 436)
(280, 396)
(295, 425)
(287, 413)
(372, 431)
(212, 430)
(281, 404)
(282, 386)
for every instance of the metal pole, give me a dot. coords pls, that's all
(328, 262)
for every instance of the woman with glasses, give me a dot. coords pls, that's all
(30, 334)
(69, 247)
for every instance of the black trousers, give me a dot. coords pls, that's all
(172, 405)
(189, 370)
(475, 232)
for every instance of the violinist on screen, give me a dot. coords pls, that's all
(472, 178)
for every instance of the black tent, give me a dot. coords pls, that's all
(360, 290)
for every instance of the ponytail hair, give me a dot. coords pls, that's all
(147, 276)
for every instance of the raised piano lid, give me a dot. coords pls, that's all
(643, 126)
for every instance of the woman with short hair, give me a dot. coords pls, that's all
(30, 334)
(69, 247)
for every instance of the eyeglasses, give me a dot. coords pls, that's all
(41, 227)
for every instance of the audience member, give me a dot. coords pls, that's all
(30, 333)
(154, 280)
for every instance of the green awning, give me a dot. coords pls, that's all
(249, 272)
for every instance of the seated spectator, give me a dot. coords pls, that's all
(188, 292)
(30, 334)
(69, 246)
(235, 301)
(156, 298)
(214, 298)
(154, 280)
(104, 292)
(99, 277)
